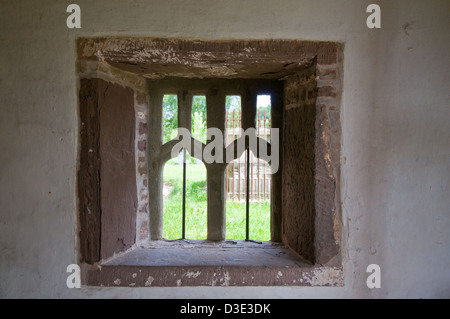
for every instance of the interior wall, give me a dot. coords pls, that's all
(395, 165)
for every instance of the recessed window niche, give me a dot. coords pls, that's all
(124, 91)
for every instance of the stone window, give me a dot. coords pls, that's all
(215, 91)
(122, 84)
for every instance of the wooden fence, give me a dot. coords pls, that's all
(260, 172)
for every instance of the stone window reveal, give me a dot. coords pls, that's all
(122, 82)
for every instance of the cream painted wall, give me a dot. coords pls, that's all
(395, 142)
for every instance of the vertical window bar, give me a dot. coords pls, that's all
(247, 200)
(184, 195)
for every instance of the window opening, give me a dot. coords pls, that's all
(199, 118)
(188, 177)
(235, 172)
(248, 177)
(196, 201)
(260, 175)
(234, 106)
(172, 199)
(170, 117)
(195, 197)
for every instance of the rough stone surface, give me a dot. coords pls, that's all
(311, 170)
(326, 243)
(298, 180)
(214, 276)
(89, 173)
(107, 179)
(142, 219)
(117, 169)
(199, 263)
(159, 58)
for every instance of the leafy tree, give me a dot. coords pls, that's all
(233, 103)
(170, 117)
(199, 105)
(199, 118)
(199, 126)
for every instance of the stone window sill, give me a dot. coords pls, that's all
(204, 263)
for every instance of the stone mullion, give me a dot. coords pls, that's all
(155, 185)
(276, 178)
(215, 103)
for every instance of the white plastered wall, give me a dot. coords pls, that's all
(395, 135)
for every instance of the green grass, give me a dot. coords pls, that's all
(259, 220)
(196, 208)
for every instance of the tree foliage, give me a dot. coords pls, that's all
(170, 117)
